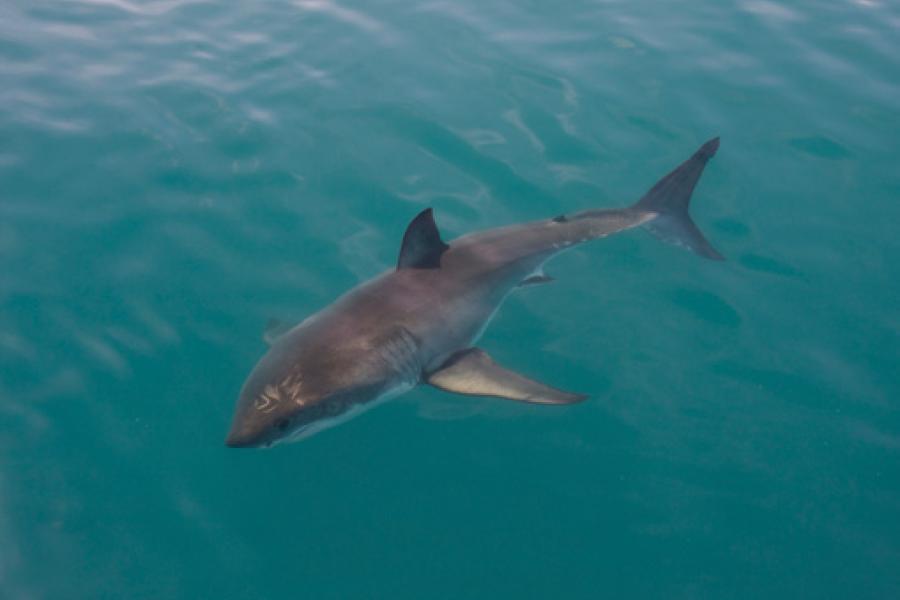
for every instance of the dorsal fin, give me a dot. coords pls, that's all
(422, 245)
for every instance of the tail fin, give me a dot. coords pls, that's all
(670, 198)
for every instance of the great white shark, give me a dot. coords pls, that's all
(417, 323)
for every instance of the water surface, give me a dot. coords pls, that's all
(175, 173)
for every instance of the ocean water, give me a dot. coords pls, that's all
(175, 173)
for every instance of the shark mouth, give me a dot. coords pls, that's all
(354, 410)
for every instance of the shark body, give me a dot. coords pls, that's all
(417, 323)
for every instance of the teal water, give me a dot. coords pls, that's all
(174, 173)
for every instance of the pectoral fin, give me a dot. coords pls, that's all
(474, 373)
(535, 280)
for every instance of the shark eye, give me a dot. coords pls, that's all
(282, 424)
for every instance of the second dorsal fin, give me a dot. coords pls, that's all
(422, 244)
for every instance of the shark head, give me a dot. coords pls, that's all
(298, 388)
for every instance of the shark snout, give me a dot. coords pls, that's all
(236, 440)
(242, 436)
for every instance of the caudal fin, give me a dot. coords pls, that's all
(671, 197)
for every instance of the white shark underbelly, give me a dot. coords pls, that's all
(354, 411)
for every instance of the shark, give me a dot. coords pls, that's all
(418, 323)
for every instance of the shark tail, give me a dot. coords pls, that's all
(670, 198)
